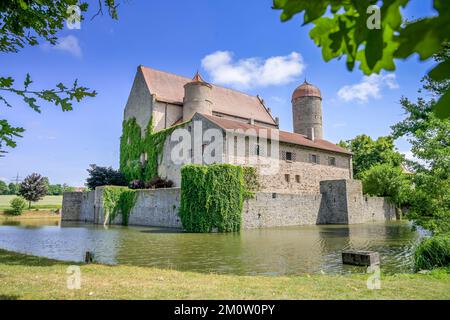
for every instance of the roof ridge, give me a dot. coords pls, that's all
(190, 79)
(336, 148)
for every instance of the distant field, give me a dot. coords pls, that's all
(49, 202)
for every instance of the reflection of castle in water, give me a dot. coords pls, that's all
(290, 250)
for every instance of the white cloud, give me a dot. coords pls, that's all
(369, 87)
(68, 44)
(252, 72)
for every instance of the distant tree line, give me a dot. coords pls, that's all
(52, 189)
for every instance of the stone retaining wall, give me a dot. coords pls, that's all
(340, 202)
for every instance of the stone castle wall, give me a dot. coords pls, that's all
(341, 202)
(157, 208)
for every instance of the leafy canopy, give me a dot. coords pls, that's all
(103, 176)
(429, 137)
(384, 180)
(368, 152)
(33, 188)
(345, 33)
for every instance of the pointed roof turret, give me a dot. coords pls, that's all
(199, 80)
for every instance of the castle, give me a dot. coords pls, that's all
(305, 158)
(312, 182)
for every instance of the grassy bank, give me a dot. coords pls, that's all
(48, 202)
(29, 277)
(42, 214)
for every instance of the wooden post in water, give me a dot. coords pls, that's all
(89, 257)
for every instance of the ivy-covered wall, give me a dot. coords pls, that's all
(133, 145)
(211, 197)
(118, 200)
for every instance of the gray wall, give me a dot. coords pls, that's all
(153, 208)
(71, 206)
(341, 202)
(280, 209)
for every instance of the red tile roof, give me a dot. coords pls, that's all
(169, 88)
(284, 136)
(306, 90)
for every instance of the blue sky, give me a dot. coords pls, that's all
(176, 36)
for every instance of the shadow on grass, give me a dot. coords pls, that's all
(9, 297)
(19, 259)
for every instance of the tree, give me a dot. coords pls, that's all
(375, 36)
(55, 189)
(384, 180)
(33, 188)
(429, 137)
(25, 23)
(3, 187)
(368, 152)
(103, 176)
(13, 188)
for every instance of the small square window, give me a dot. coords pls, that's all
(332, 161)
(288, 156)
(297, 178)
(287, 177)
(314, 158)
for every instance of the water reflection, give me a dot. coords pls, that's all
(292, 250)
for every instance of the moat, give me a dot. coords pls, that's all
(278, 251)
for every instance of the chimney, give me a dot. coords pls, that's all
(277, 121)
(310, 134)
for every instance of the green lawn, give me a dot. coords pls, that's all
(49, 202)
(28, 277)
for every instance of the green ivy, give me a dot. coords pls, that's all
(130, 150)
(211, 197)
(251, 181)
(133, 144)
(118, 200)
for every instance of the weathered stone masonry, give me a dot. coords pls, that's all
(341, 202)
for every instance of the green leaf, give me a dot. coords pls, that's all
(441, 71)
(442, 107)
(374, 47)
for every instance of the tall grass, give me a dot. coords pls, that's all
(433, 253)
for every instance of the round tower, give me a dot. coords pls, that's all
(307, 111)
(197, 97)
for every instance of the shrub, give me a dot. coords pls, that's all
(137, 184)
(433, 253)
(211, 198)
(17, 206)
(158, 183)
(103, 176)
